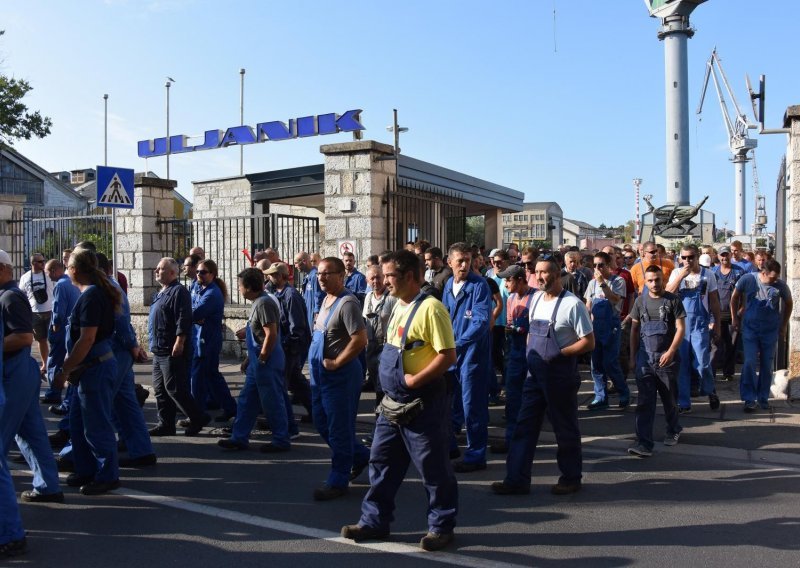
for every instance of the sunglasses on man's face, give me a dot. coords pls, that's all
(202, 272)
(688, 257)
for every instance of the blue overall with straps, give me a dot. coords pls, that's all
(516, 364)
(651, 378)
(551, 388)
(334, 400)
(94, 443)
(605, 355)
(423, 442)
(696, 347)
(761, 324)
(263, 390)
(10, 520)
(22, 417)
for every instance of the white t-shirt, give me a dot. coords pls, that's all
(572, 320)
(617, 285)
(457, 287)
(693, 281)
(30, 282)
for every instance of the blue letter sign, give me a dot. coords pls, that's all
(302, 127)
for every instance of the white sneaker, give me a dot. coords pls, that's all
(672, 439)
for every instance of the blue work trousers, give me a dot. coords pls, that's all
(207, 382)
(653, 380)
(22, 420)
(471, 401)
(516, 371)
(10, 521)
(94, 443)
(263, 390)
(128, 415)
(555, 396)
(605, 363)
(759, 353)
(334, 400)
(695, 352)
(422, 442)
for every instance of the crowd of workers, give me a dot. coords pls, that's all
(438, 337)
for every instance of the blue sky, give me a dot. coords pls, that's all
(568, 109)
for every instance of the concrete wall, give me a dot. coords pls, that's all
(792, 269)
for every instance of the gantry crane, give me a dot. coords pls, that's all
(738, 141)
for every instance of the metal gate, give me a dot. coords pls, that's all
(50, 231)
(419, 211)
(225, 240)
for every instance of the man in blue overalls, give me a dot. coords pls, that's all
(12, 535)
(764, 317)
(354, 280)
(724, 353)
(264, 387)
(469, 301)
(65, 294)
(657, 328)
(339, 337)
(22, 416)
(312, 294)
(516, 335)
(413, 369)
(605, 295)
(560, 331)
(697, 288)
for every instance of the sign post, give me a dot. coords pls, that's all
(115, 190)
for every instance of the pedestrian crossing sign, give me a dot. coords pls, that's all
(114, 187)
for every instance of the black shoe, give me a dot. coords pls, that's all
(503, 488)
(33, 496)
(455, 454)
(184, 423)
(356, 470)
(50, 400)
(367, 440)
(499, 448)
(14, 548)
(75, 480)
(58, 409)
(565, 488)
(122, 446)
(194, 428)
(713, 401)
(750, 406)
(161, 430)
(327, 493)
(359, 533)
(695, 392)
(141, 461)
(598, 404)
(64, 464)
(306, 419)
(273, 449)
(141, 394)
(99, 487)
(59, 439)
(435, 541)
(225, 417)
(468, 467)
(230, 444)
(684, 410)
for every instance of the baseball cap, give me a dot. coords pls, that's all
(278, 268)
(724, 249)
(5, 258)
(705, 260)
(513, 271)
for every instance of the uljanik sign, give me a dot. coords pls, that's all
(303, 127)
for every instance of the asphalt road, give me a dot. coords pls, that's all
(733, 504)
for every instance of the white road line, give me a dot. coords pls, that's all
(310, 532)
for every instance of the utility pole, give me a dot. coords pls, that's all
(241, 118)
(637, 231)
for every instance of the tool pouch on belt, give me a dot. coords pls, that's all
(75, 374)
(400, 413)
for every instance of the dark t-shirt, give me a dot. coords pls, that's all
(494, 288)
(674, 309)
(345, 320)
(93, 309)
(17, 315)
(265, 311)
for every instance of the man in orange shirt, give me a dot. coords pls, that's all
(650, 256)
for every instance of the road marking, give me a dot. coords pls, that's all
(310, 532)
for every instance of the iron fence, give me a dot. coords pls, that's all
(49, 235)
(232, 241)
(420, 211)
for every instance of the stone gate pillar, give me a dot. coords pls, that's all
(792, 269)
(355, 191)
(139, 238)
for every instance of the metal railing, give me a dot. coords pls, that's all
(420, 211)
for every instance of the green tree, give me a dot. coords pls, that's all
(475, 230)
(16, 121)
